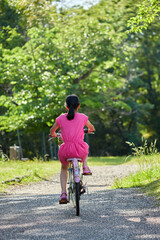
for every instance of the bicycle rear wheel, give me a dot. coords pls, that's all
(77, 198)
(75, 195)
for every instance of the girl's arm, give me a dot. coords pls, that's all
(53, 129)
(90, 126)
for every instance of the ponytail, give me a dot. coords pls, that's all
(72, 102)
(70, 114)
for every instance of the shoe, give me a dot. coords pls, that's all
(63, 198)
(86, 171)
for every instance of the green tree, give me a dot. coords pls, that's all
(148, 11)
(88, 53)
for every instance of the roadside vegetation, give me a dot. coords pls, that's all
(47, 53)
(148, 177)
(15, 172)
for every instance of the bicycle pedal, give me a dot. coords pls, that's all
(83, 191)
(63, 201)
(86, 174)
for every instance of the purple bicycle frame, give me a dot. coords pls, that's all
(75, 168)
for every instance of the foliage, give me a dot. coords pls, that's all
(8, 15)
(3, 156)
(147, 177)
(35, 13)
(148, 11)
(38, 71)
(46, 55)
(144, 149)
(139, 179)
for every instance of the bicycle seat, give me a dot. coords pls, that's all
(71, 159)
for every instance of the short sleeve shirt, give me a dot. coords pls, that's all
(72, 130)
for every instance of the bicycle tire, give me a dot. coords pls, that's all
(77, 198)
(72, 190)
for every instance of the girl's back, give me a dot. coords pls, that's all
(72, 130)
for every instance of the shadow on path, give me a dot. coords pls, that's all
(123, 214)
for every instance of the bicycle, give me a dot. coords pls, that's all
(75, 180)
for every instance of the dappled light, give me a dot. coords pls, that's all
(107, 54)
(102, 213)
(47, 54)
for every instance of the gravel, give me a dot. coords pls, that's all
(32, 212)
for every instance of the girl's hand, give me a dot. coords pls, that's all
(53, 130)
(60, 140)
(90, 126)
(53, 135)
(91, 131)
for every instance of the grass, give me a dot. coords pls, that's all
(148, 177)
(32, 171)
(152, 189)
(118, 160)
(115, 160)
(37, 170)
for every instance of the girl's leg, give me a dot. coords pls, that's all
(86, 169)
(85, 162)
(63, 177)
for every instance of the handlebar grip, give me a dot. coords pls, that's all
(51, 138)
(58, 135)
(87, 131)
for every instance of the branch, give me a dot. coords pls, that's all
(77, 80)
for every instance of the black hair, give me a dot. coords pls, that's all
(72, 102)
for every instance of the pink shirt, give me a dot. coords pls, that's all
(72, 132)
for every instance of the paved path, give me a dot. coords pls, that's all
(123, 214)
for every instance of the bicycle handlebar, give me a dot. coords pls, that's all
(86, 131)
(58, 135)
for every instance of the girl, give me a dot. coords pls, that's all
(72, 131)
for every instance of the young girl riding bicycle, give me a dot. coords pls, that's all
(72, 131)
